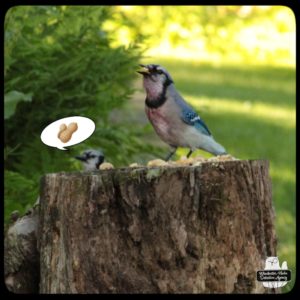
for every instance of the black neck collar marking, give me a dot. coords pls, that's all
(156, 103)
(100, 161)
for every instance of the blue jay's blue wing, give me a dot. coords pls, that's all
(192, 118)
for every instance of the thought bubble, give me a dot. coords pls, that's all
(85, 129)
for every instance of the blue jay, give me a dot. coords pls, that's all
(173, 119)
(91, 159)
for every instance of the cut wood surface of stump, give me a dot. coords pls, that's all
(203, 229)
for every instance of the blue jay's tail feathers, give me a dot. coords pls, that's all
(220, 152)
(210, 145)
(223, 153)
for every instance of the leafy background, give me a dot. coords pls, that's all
(234, 64)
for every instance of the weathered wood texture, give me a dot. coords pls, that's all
(21, 256)
(204, 229)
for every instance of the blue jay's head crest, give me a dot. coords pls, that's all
(91, 159)
(156, 73)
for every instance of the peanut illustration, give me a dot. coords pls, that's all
(62, 128)
(65, 133)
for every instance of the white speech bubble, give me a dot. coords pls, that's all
(85, 129)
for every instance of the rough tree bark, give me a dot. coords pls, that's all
(204, 229)
(21, 256)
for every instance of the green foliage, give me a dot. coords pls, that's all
(18, 191)
(60, 58)
(11, 99)
(70, 70)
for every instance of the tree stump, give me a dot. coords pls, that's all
(21, 256)
(204, 229)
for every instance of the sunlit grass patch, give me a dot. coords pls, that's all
(274, 114)
(286, 234)
(284, 174)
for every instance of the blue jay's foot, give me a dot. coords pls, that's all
(170, 154)
(190, 153)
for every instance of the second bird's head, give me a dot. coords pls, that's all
(91, 159)
(156, 78)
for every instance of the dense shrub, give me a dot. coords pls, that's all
(60, 60)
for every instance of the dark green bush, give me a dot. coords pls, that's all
(62, 58)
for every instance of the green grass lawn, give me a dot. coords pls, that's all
(250, 110)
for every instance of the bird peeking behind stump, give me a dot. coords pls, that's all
(91, 159)
(173, 119)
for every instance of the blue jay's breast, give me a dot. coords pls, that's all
(162, 124)
(158, 120)
(173, 131)
(169, 127)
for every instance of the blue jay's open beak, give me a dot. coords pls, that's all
(82, 158)
(145, 70)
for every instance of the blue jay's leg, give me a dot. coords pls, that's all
(189, 154)
(171, 154)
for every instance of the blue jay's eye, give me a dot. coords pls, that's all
(92, 156)
(159, 71)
